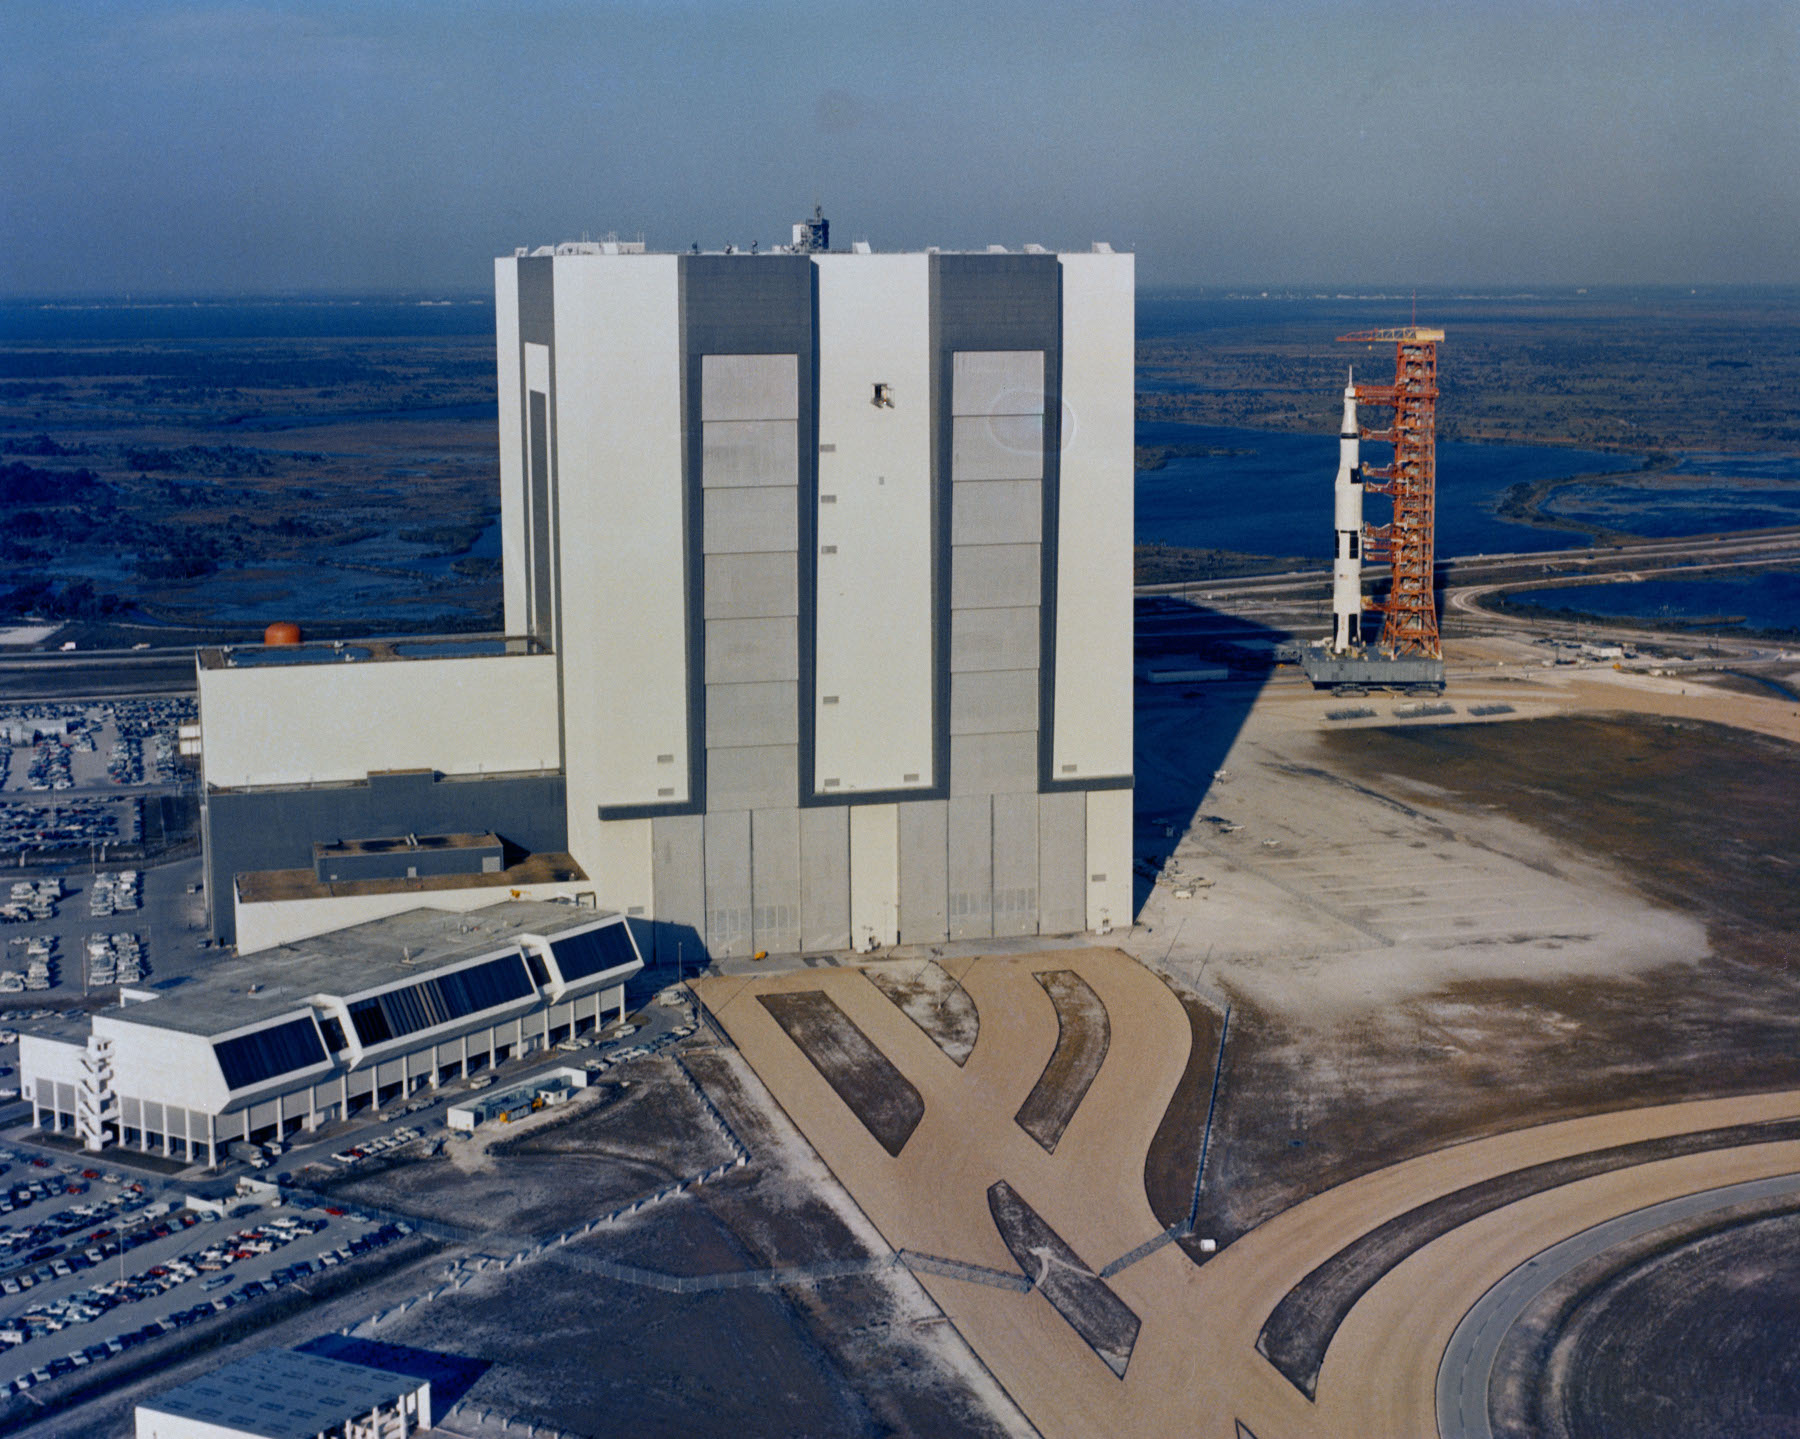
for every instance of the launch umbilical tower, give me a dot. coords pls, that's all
(1408, 542)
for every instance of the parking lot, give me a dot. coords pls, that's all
(86, 746)
(168, 921)
(94, 1259)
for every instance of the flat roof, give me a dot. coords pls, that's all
(241, 991)
(616, 248)
(399, 647)
(261, 886)
(282, 1394)
(407, 843)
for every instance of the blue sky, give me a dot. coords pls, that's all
(270, 147)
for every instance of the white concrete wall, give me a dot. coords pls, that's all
(874, 874)
(299, 724)
(1093, 718)
(272, 922)
(152, 1425)
(512, 451)
(622, 543)
(58, 1060)
(874, 599)
(164, 1066)
(620, 871)
(1109, 859)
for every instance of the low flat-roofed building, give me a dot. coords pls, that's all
(305, 1033)
(283, 1394)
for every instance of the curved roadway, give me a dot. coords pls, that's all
(1194, 1368)
(1466, 1371)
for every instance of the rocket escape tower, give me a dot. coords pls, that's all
(1407, 543)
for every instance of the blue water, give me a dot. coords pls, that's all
(1764, 602)
(1274, 497)
(87, 321)
(1685, 504)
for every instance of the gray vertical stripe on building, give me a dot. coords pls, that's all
(924, 877)
(997, 303)
(728, 897)
(678, 883)
(1016, 864)
(537, 326)
(1062, 862)
(752, 776)
(775, 879)
(993, 763)
(825, 878)
(971, 866)
(756, 713)
(538, 516)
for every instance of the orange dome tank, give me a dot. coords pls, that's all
(282, 632)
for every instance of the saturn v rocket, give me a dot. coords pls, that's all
(1346, 566)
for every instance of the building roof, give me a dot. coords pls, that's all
(406, 844)
(856, 247)
(422, 647)
(546, 867)
(240, 991)
(282, 1394)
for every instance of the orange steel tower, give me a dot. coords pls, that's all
(1407, 543)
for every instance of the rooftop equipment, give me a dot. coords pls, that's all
(812, 237)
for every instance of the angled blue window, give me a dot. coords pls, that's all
(266, 1053)
(595, 950)
(441, 1000)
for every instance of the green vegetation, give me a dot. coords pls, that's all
(1639, 374)
(1156, 457)
(1173, 565)
(448, 539)
(190, 482)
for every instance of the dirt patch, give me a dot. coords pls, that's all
(1697, 1340)
(1103, 1320)
(1298, 1332)
(931, 999)
(572, 1351)
(1083, 1034)
(1656, 824)
(865, 1079)
(569, 1349)
(1701, 816)
(1173, 1160)
(611, 1144)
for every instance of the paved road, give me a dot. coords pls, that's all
(1195, 1354)
(1650, 554)
(1467, 1369)
(96, 674)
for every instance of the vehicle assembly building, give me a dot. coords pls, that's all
(818, 607)
(300, 1035)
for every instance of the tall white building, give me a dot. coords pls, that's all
(818, 612)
